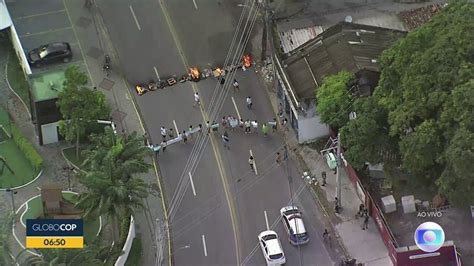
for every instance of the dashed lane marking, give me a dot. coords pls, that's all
(236, 109)
(254, 163)
(135, 18)
(204, 245)
(192, 183)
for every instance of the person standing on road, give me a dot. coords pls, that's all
(171, 133)
(224, 122)
(236, 85)
(247, 126)
(163, 132)
(233, 123)
(252, 163)
(284, 125)
(222, 81)
(185, 138)
(241, 123)
(255, 126)
(280, 110)
(249, 103)
(214, 126)
(274, 125)
(366, 223)
(265, 129)
(197, 99)
(323, 175)
(163, 145)
(278, 158)
(225, 140)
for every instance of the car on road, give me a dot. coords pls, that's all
(271, 248)
(292, 220)
(50, 53)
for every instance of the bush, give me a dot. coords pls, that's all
(27, 148)
(135, 255)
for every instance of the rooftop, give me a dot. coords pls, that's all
(345, 46)
(47, 85)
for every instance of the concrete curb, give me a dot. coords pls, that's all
(12, 90)
(27, 184)
(114, 55)
(70, 162)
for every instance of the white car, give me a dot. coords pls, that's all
(271, 248)
(293, 222)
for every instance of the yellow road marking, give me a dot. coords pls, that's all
(213, 141)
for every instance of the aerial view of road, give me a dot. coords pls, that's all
(236, 132)
(218, 219)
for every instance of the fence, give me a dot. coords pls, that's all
(406, 256)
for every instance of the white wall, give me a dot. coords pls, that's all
(128, 244)
(310, 128)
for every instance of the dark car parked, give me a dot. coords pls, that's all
(50, 53)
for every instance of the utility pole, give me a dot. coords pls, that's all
(338, 171)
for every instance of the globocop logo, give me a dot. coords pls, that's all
(54, 227)
(429, 236)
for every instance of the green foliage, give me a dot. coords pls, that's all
(79, 106)
(422, 110)
(457, 179)
(136, 253)
(27, 148)
(112, 163)
(92, 254)
(333, 99)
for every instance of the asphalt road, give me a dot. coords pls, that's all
(230, 203)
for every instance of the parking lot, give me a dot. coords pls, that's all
(43, 22)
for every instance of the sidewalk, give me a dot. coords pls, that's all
(364, 245)
(95, 43)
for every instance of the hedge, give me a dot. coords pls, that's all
(27, 148)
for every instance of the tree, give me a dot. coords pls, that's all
(426, 94)
(366, 137)
(92, 254)
(334, 99)
(457, 179)
(112, 189)
(79, 106)
(126, 153)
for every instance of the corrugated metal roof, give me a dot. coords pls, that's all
(345, 46)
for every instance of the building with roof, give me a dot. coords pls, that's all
(44, 89)
(345, 46)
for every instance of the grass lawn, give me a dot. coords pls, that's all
(70, 154)
(35, 209)
(17, 79)
(23, 172)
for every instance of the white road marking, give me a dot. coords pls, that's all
(192, 183)
(266, 219)
(156, 72)
(254, 163)
(204, 245)
(135, 18)
(236, 109)
(175, 127)
(195, 5)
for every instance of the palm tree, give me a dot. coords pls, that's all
(93, 254)
(125, 155)
(112, 188)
